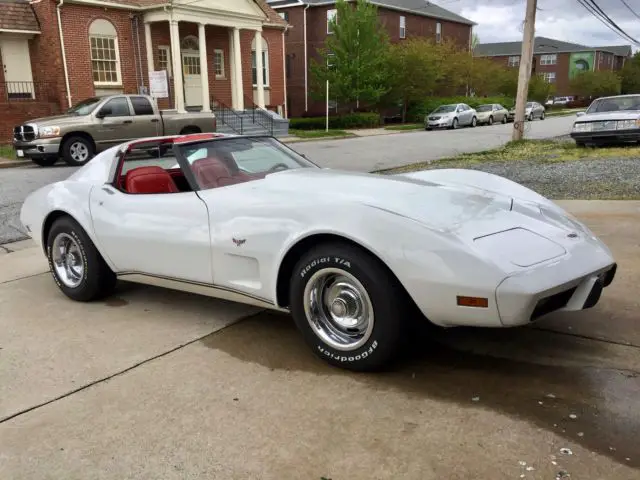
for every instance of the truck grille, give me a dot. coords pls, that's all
(24, 133)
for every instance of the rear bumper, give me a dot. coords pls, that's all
(607, 136)
(37, 148)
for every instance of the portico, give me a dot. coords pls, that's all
(195, 71)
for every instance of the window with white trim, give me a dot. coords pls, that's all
(549, 77)
(403, 26)
(514, 61)
(164, 59)
(218, 63)
(331, 15)
(549, 59)
(105, 56)
(265, 63)
(438, 32)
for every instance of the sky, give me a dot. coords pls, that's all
(567, 20)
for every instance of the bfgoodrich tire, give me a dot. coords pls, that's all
(76, 265)
(349, 308)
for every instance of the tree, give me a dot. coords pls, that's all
(475, 41)
(354, 57)
(417, 66)
(539, 89)
(630, 81)
(596, 83)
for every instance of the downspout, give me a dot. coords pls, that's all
(137, 17)
(284, 68)
(64, 56)
(135, 56)
(306, 65)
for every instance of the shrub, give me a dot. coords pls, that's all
(418, 111)
(339, 122)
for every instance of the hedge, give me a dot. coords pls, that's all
(417, 112)
(337, 122)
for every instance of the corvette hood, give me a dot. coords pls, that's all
(440, 206)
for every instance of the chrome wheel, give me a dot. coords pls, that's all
(79, 152)
(68, 260)
(338, 309)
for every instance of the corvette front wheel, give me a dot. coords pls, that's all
(350, 310)
(76, 265)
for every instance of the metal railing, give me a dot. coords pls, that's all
(228, 116)
(27, 91)
(259, 115)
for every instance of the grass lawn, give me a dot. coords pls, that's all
(540, 151)
(405, 126)
(556, 169)
(564, 111)
(7, 151)
(319, 133)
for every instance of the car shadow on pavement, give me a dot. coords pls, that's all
(542, 379)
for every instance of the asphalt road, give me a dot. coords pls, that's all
(360, 154)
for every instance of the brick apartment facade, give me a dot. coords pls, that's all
(558, 61)
(308, 21)
(111, 45)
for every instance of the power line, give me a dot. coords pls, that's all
(630, 9)
(592, 7)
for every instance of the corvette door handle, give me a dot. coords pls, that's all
(128, 121)
(108, 190)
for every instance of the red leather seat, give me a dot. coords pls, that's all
(211, 172)
(149, 180)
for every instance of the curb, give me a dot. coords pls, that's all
(15, 163)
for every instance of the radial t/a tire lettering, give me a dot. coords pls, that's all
(76, 265)
(350, 310)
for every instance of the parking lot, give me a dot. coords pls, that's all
(156, 384)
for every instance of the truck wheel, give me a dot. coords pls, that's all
(45, 161)
(348, 307)
(77, 151)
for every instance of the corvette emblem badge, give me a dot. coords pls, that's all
(239, 242)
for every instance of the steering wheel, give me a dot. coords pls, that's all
(278, 167)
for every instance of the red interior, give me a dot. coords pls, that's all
(149, 180)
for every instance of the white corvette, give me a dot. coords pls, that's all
(351, 256)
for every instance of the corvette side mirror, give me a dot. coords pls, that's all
(579, 114)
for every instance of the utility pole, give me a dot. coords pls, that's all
(526, 58)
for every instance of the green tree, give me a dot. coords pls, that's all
(596, 83)
(354, 58)
(539, 89)
(417, 66)
(630, 81)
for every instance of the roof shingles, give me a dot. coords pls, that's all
(543, 45)
(18, 15)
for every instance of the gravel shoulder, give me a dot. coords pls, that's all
(555, 168)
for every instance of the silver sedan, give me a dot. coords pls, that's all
(451, 116)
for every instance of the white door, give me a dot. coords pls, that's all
(192, 82)
(16, 64)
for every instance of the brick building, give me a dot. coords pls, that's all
(309, 20)
(557, 61)
(56, 53)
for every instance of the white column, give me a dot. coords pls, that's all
(204, 68)
(149, 46)
(237, 65)
(232, 73)
(259, 67)
(178, 89)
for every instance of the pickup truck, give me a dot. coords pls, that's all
(98, 123)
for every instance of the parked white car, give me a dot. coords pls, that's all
(352, 256)
(451, 116)
(613, 119)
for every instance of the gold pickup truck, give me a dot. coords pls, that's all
(98, 123)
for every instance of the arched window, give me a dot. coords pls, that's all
(105, 56)
(265, 62)
(190, 43)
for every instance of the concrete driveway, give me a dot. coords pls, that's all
(157, 384)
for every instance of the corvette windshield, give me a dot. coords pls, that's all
(232, 160)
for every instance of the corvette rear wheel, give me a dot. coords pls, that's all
(76, 265)
(350, 310)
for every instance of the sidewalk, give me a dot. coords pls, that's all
(9, 163)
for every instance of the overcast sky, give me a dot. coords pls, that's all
(500, 20)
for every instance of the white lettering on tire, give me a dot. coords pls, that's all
(342, 358)
(323, 260)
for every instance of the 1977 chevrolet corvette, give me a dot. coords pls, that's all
(349, 255)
